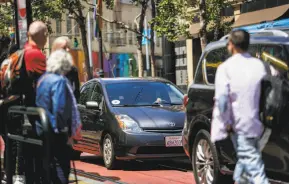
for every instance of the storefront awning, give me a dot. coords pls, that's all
(195, 28)
(284, 23)
(260, 16)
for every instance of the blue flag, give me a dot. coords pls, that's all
(148, 34)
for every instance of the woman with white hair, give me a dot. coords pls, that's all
(55, 95)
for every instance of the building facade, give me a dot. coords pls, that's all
(119, 45)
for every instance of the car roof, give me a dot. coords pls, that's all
(275, 40)
(129, 79)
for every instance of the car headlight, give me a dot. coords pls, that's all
(127, 124)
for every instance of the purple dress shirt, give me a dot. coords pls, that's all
(238, 87)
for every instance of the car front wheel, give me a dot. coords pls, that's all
(108, 152)
(205, 159)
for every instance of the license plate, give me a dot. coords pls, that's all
(173, 141)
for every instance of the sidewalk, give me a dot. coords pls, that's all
(83, 180)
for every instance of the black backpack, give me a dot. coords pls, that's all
(274, 99)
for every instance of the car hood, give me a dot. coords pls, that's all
(166, 117)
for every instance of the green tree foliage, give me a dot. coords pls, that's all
(42, 10)
(6, 12)
(46, 10)
(175, 16)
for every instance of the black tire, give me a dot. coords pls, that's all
(110, 162)
(202, 137)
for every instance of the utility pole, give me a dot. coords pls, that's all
(100, 51)
(29, 13)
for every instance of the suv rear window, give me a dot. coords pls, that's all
(213, 60)
(217, 56)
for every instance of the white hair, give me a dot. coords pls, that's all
(62, 40)
(59, 62)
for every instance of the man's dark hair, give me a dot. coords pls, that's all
(240, 38)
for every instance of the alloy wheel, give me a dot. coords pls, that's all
(107, 151)
(204, 162)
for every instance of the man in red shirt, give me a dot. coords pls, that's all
(35, 63)
(35, 60)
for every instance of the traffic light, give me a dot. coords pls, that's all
(75, 43)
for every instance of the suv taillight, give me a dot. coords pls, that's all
(185, 101)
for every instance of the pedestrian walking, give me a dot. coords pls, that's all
(64, 42)
(236, 111)
(55, 95)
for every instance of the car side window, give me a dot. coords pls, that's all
(85, 93)
(254, 50)
(199, 79)
(218, 56)
(213, 60)
(277, 51)
(97, 94)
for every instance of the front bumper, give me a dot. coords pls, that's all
(146, 145)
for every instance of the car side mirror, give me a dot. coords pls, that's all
(92, 105)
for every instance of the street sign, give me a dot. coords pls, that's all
(22, 8)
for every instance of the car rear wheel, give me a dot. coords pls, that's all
(205, 159)
(108, 152)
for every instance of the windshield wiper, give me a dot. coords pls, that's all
(168, 103)
(136, 105)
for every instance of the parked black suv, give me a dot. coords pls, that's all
(211, 162)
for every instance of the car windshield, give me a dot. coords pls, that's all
(143, 94)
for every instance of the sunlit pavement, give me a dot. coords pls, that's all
(136, 172)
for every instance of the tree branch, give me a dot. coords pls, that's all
(124, 26)
(135, 21)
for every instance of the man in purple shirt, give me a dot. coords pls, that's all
(236, 112)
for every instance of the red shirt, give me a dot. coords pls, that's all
(35, 60)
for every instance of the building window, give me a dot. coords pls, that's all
(110, 33)
(261, 4)
(228, 11)
(123, 37)
(76, 28)
(134, 35)
(129, 34)
(158, 41)
(104, 31)
(68, 24)
(58, 26)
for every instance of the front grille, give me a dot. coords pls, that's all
(163, 131)
(159, 150)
